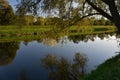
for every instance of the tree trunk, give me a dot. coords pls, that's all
(115, 14)
(114, 17)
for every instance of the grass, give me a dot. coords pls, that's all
(11, 32)
(47, 28)
(15, 27)
(6, 30)
(19, 39)
(82, 30)
(93, 27)
(109, 70)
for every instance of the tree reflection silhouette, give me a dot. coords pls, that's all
(87, 37)
(61, 69)
(8, 52)
(79, 64)
(22, 76)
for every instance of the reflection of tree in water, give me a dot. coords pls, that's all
(51, 38)
(61, 69)
(50, 42)
(8, 52)
(22, 75)
(77, 38)
(85, 38)
(101, 36)
(79, 64)
(104, 35)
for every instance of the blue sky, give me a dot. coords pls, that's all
(12, 3)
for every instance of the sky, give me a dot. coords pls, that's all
(12, 3)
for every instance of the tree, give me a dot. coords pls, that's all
(8, 52)
(28, 20)
(3, 4)
(75, 10)
(61, 69)
(7, 15)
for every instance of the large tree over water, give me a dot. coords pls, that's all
(73, 10)
(7, 15)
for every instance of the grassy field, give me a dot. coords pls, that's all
(6, 30)
(76, 30)
(44, 27)
(73, 30)
(15, 27)
(78, 27)
(109, 70)
(12, 28)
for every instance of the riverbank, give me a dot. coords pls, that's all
(14, 27)
(13, 33)
(109, 70)
(74, 30)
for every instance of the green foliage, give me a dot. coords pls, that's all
(92, 21)
(7, 16)
(109, 70)
(3, 4)
(55, 21)
(28, 20)
(74, 10)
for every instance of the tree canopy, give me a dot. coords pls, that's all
(73, 10)
(3, 4)
(7, 15)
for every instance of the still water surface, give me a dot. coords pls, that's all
(26, 56)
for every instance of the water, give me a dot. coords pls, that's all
(23, 59)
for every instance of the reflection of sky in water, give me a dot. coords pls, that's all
(28, 57)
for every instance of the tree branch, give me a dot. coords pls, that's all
(106, 1)
(90, 15)
(38, 1)
(84, 4)
(114, 12)
(100, 11)
(78, 19)
(70, 7)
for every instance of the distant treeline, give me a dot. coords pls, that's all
(8, 17)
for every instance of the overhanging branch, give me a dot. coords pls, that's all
(36, 3)
(100, 11)
(90, 15)
(78, 19)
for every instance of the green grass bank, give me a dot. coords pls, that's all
(109, 70)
